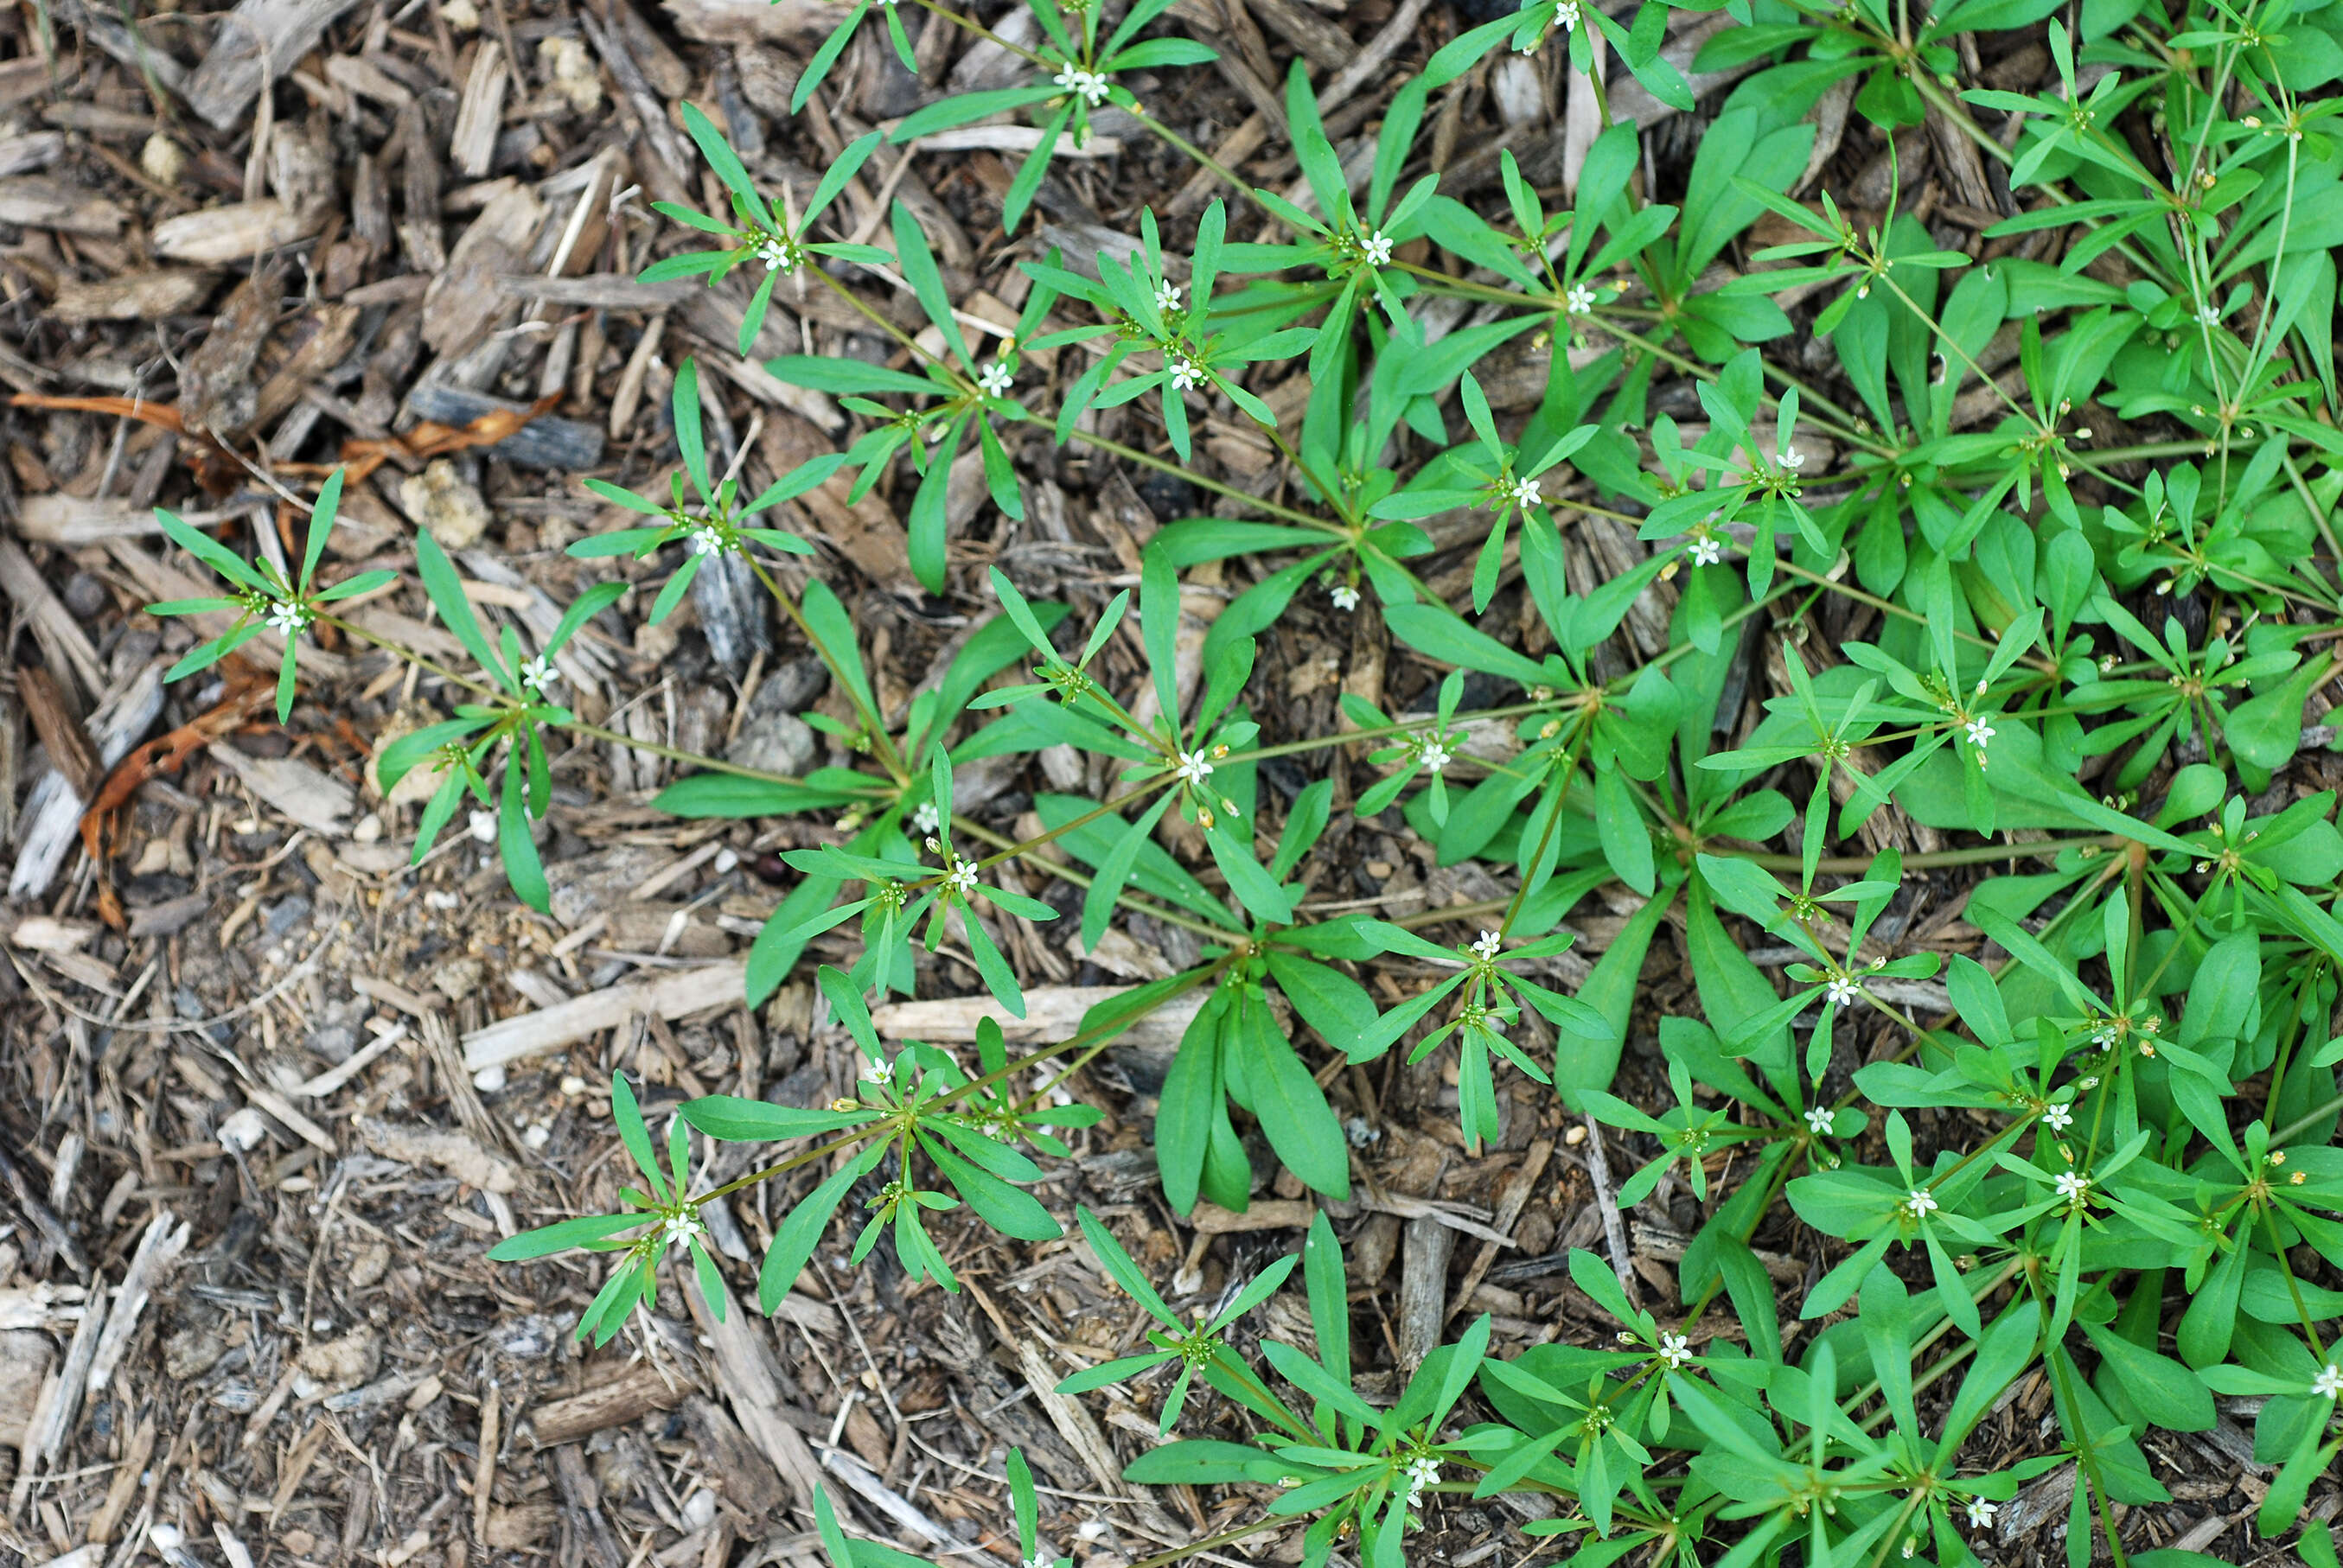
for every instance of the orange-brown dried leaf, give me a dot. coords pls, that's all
(250, 691)
(430, 440)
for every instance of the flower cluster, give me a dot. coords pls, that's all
(1422, 1470)
(1090, 86)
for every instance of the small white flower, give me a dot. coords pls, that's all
(877, 1070)
(2058, 1118)
(959, 876)
(1921, 1202)
(1186, 373)
(1434, 755)
(1674, 1350)
(1087, 86)
(705, 540)
(2207, 315)
(924, 817)
(680, 1229)
(1167, 297)
(286, 618)
(1525, 493)
(538, 674)
(1193, 768)
(1487, 944)
(995, 379)
(1793, 459)
(779, 254)
(2105, 1035)
(2072, 1185)
(1377, 248)
(1579, 300)
(1980, 732)
(2329, 1383)
(1818, 1119)
(1345, 596)
(1707, 549)
(1565, 15)
(1041, 1559)
(1981, 1512)
(1842, 990)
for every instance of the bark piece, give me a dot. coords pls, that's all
(316, 801)
(624, 1399)
(751, 21)
(453, 1152)
(463, 303)
(1423, 1288)
(134, 296)
(673, 994)
(545, 442)
(34, 202)
(232, 233)
(474, 144)
(260, 40)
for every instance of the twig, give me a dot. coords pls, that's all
(1615, 1232)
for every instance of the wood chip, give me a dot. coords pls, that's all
(317, 801)
(478, 116)
(453, 1152)
(625, 1399)
(259, 41)
(1423, 1288)
(146, 296)
(165, 1238)
(674, 994)
(1053, 1014)
(237, 232)
(34, 202)
(57, 518)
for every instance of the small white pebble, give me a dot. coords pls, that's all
(242, 1131)
(484, 826)
(572, 1085)
(367, 828)
(537, 1136)
(491, 1078)
(438, 899)
(726, 861)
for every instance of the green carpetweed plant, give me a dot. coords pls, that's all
(2066, 500)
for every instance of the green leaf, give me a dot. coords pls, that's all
(1254, 887)
(210, 551)
(1580, 1064)
(730, 1119)
(548, 1240)
(1626, 841)
(1292, 1109)
(796, 1237)
(446, 589)
(1119, 1266)
(1009, 1210)
(523, 868)
(724, 161)
(918, 266)
(1200, 1462)
(2173, 1396)
(321, 523)
(633, 1134)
